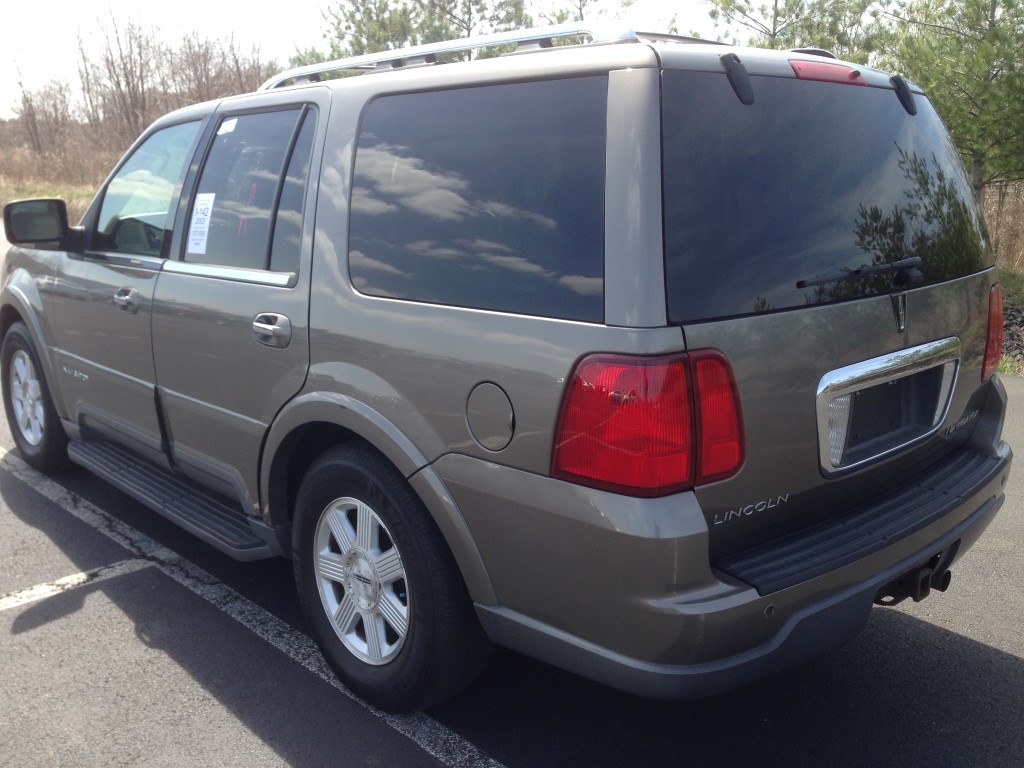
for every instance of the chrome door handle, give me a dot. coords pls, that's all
(127, 299)
(272, 329)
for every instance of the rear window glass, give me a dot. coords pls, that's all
(779, 204)
(489, 197)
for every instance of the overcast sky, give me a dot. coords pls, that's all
(41, 38)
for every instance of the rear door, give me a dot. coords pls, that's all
(824, 238)
(230, 332)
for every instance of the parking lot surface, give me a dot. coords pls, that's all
(126, 642)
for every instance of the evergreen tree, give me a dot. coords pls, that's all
(967, 55)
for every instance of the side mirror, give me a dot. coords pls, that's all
(29, 222)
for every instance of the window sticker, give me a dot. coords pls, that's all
(227, 126)
(199, 230)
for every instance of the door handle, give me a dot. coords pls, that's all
(127, 299)
(272, 329)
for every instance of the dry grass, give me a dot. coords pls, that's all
(77, 197)
(1009, 366)
(73, 175)
(1004, 214)
(1012, 363)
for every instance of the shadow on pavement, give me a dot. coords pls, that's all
(117, 653)
(904, 693)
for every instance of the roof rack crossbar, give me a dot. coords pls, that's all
(537, 37)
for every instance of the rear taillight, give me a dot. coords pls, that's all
(719, 421)
(994, 337)
(649, 426)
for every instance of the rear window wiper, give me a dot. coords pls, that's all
(911, 276)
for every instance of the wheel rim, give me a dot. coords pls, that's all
(361, 580)
(27, 398)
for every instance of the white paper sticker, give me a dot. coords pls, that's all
(227, 126)
(200, 227)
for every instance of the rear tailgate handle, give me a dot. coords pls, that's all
(127, 299)
(272, 329)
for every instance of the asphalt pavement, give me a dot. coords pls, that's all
(126, 642)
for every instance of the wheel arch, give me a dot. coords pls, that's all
(9, 315)
(18, 306)
(315, 422)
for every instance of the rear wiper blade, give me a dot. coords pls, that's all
(878, 269)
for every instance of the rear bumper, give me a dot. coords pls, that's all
(807, 631)
(634, 604)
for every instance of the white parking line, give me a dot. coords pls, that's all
(51, 588)
(431, 736)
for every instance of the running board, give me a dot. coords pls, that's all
(207, 515)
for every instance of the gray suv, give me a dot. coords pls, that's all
(661, 361)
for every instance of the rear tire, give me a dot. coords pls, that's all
(33, 420)
(379, 587)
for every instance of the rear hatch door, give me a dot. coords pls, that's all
(824, 237)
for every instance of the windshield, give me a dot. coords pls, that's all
(815, 193)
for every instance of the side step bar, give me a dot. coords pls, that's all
(210, 517)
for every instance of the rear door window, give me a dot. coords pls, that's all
(251, 191)
(806, 196)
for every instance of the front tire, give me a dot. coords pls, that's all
(378, 585)
(35, 425)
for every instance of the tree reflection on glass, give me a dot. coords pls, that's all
(937, 231)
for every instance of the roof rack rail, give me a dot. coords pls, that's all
(815, 52)
(665, 37)
(528, 39)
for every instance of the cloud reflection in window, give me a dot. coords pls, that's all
(488, 197)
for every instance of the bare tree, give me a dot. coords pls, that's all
(129, 59)
(45, 116)
(202, 69)
(243, 71)
(120, 87)
(192, 75)
(27, 114)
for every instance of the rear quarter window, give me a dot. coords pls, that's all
(489, 197)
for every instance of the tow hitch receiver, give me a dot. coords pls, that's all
(916, 584)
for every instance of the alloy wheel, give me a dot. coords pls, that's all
(361, 580)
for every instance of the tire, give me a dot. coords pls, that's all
(33, 420)
(379, 587)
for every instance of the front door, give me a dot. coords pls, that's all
(98, 303)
